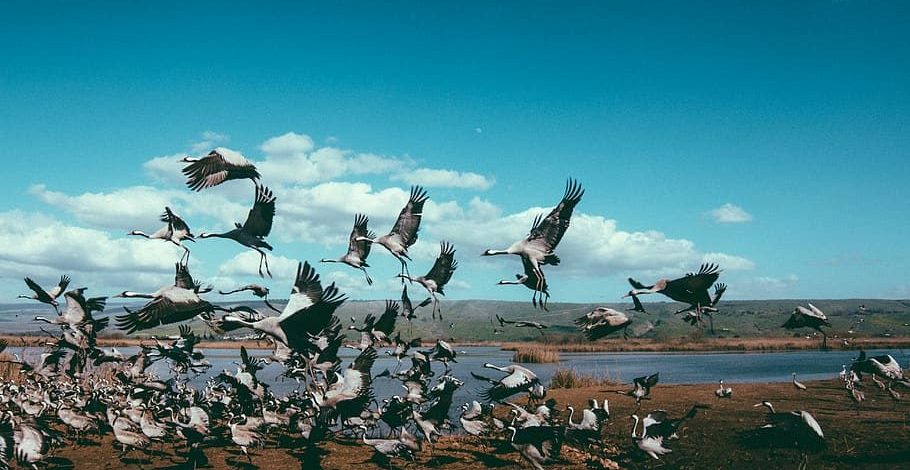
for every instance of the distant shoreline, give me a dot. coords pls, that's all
(616, 345)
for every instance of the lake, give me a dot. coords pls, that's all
(674, 368)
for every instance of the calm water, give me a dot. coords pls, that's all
(673, 367)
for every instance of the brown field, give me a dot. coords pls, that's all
(875, 435)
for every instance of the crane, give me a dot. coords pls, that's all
(218, 166)
(439, 275)
(404, 233)
(538, 248)
(175, 231)
(257, 226)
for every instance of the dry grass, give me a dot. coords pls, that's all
(571, 378)
(9, 371)
(535, 354)
(705, 344)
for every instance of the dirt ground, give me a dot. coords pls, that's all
(874, 435)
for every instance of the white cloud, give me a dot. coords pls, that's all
(767, 286)
(288, 145)
(728, 262)
(209, 141)
(247, 264)
(445, 179)
(730, 214)
(122, 209)
(32, 242)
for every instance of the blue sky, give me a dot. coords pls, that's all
(771, 137)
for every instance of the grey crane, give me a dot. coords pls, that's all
(218, 166)
(799, 385)
(530, 280)
(257, 226)
(519, 379)
(641, 387)
(388, 447)
(538, 444)
(439, 275)
(47, 297)
(174, 232)
(259, 291)
(546, 233)
(522, 323)
(602, 321)
(691, 289)
(883, 365)
(810, 317)
(171, 304)
(358, 247)
(791, 429)
(309, 311)
(404, 233)
(407, 307)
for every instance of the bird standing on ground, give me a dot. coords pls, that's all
(723, 392)
(257, 226)
(439, 275)
(404, 233)
(358, 247)
(218, 166)
(538, 248)
(799, 385)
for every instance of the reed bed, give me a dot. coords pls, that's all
(535, 354)
(567, 378)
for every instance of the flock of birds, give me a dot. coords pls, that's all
(89, 391)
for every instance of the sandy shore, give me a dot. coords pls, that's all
(874, 435)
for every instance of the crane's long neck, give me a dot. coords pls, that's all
(571, 414)
(140, 233)
(491, 366)
(130, 294)
(634, 426)
(498, 252)
(41, 318)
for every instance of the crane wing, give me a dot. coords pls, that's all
(161, 311)
(445, 265)
(307, 290)
(216, 167)
(175, 223)
(60, 287)
(547, 232)
(386, 322)
(40, 294)
(361, 248)
(182, 277)
(408, 222)
(299, 325)
(701, 281)
(259, 220)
